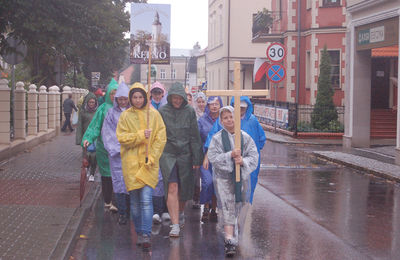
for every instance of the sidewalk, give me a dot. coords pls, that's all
(39, 201)
(377, 160)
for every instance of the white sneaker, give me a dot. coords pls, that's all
(91, 178)
(110, 207)
(175, 230)
(156, 219)
(165, 216)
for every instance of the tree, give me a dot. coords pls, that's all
(86, 35)
(324, 110)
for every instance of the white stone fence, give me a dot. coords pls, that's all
(37, 112)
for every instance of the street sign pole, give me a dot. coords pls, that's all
(275, 86)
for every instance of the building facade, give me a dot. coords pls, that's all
(230, 40)
(372, 69)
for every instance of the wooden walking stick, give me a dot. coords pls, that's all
(237, 92)
(148, 102)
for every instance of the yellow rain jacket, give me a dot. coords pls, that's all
(130, 133)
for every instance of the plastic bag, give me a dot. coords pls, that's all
(74, 120)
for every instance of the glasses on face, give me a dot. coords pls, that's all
(213, 104)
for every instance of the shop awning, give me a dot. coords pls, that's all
(390, 51)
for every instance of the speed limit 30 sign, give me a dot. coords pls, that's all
(276, 52)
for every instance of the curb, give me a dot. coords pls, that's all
(67, 241)
(358, 167)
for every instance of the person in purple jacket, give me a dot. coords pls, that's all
(113, 147)
(207, 195)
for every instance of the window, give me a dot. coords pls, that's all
(335, 68)
(309, 4)
(162, 74)
(308, 70)
(173, 74)
(329, 3)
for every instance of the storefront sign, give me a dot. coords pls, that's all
(379, 34)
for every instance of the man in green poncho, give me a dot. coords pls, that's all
(93, 134)
(182, 153)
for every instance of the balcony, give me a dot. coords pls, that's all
(265, 26)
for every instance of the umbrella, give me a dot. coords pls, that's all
(85, 165)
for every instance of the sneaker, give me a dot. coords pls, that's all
(91, 178)
(206, 214)
(213, 216)
(146, 243)
(156, 219)
(196, 205)
(110, 207)
(139, 240)
(165, 216)
(122, 219)
(230, 248)
(181, 219)
(175, 230)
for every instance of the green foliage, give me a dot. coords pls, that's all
(324, 110)
(81, 80)
(262, 21)
(88, 34)
(333, 126)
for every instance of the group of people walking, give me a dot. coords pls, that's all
(154, 157)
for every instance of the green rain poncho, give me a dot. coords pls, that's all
(184, 146)
(93, 132)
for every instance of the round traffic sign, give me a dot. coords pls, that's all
(15, 51)
(276, 72)
(276, 52)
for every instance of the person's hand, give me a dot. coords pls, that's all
(239, 160)
(206, 163)
(86, 143)
(147, 133)
(196, 167)
(235, 153)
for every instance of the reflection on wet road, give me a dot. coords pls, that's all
(303, 208)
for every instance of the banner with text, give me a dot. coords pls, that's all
(150, 25)
(266, 115)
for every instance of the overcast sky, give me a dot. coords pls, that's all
(189, 22)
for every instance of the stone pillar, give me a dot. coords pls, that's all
(43, 119)
(65, 93)
(32, 110)
(58, 106)
(19, 112)
(52, 107)
(4, 112)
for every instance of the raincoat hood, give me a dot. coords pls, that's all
(222, 109)
(122, 91)
(177, 89)
(110, 87)
(89, 96)
(211, 99)
(249, 110)
(135, 87)
(159, 86)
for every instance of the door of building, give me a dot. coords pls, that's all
(380, 83)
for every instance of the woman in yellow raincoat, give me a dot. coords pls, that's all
(141, 173)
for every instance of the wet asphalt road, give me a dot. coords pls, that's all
(303, 208)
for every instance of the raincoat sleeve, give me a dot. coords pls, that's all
(94, 129)
(109, 135)
(215, 128)
(250, 156)
(195, 141)
(221, 161)
(125, 135)
(79, 128)
(160, 138)
(261, 135)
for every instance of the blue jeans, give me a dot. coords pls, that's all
(142, 209)
(121, 199)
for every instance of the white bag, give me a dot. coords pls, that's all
(74, 120)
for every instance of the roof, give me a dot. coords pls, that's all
(390, 51)
(180, 52)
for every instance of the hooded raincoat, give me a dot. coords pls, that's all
(130, 133)
(250, 125)
(163, 101)
(85, 117)
(183, 146)
(93, 132)
(111, 144)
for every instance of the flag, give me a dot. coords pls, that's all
(260, 68)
